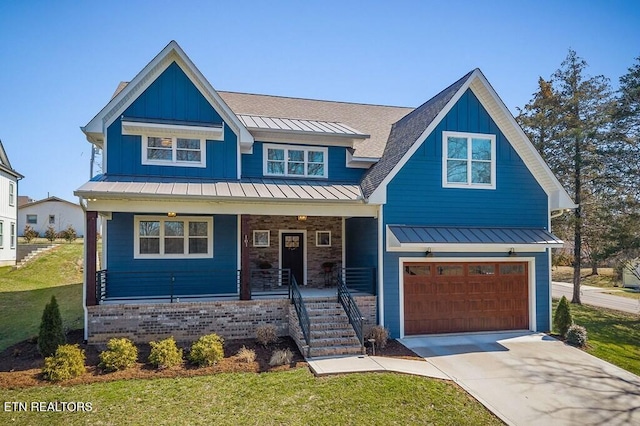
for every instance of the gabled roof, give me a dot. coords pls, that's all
(5, 165)
(127, 93)
(409, 133)
(46, 200)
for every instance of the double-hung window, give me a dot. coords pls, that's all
(173, 151)
(12, 194)
(295, 161)
(173, 237)
(1, 234)
(469, 160)
(12, 236)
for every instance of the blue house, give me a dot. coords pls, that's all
(225, 211)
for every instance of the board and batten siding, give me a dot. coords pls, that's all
(252, 164)
(172, 96)
(124, 273)
(8, 215)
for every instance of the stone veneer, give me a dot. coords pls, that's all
(316, 256)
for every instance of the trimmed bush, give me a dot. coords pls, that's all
(246, 355)
(165, 353)
(380, 335)
(50, 233)
(120, 355)
(69, 234)
(577, 336)
(51, 332)
(207, 350)
(563, 319)
(281, 357)
(29, 234)
(67, 363)
(266, 334)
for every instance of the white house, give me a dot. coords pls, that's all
(8, 209)
(629, 278)
(51, 211)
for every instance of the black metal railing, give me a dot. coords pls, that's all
(270, 282)
(301, 310)
(360, 279)
(353, 312)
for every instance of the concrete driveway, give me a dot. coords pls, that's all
(532, 379)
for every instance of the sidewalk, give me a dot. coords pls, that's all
(364, 364)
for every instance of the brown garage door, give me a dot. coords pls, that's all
(462, 297)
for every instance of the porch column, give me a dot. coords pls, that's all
(245, 275)
(91, 249)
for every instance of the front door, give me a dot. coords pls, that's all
(292, 254)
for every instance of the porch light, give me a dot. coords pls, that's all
(428, 253)
(172, 214)
(512, 252)
(302, 217)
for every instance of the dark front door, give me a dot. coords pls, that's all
(292, 248)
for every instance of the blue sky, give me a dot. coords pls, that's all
(62, 60)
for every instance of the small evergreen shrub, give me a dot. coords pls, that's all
(577, 336)
(120, 355)
(246, 355)
(29, 234)
(563, 319)
(67, 363)
(50, 233)
(380, 335)
(281, 357)
(51, 332)
(165, 353)
(266, 334)
(207, 350)
(69, 234)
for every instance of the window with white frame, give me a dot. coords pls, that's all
(468, 160)
(261, 238)
(323, 238)
(32, 219)
(173, 237)
(1, 234)
(12, 194)
(295, 161)
(12, 235)
(52, 219)
(173, 151)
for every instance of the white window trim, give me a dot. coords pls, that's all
(306, 150)
(174, 152)
(469, 137)
(12, 194)
(318, 238)
(1, 234)
(256, 244)
(162, 219)
(12, 235)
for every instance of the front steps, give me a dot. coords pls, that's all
(331, 332)
(33, 254)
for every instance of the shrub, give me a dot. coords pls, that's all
(165, 353)
(50, 233)
(380, 335)
(69, 234)
(29, 234)
(266, 334)
(67, 363)
(51, 332)
(562, 319)
(577, 336)
(246, 355)
(207, 350)
(281, 357)
(120, 355)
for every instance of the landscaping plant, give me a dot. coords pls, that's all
(165, 353)
(29, 234)
(562, 319)
(380, 335)
(281, 357)
(577, 336)
(50, 233)
(120, 355)
(51, 332)
(67, 363)
(207, 350)
(246, 355)
(266, 334)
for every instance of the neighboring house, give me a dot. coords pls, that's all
(24, 199)
(8, 209)
(51, 211)
(631, 274)
(437, 218)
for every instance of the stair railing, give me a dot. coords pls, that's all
(301, 310)
(353, 312)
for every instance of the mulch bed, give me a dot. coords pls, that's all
(21, 364)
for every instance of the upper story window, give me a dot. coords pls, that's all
(173, 151)
(295, 161)
(176, 237)
(12, 194)
(468, 160)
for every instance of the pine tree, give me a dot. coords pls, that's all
(51, 332)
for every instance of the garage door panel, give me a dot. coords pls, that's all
(462, 297)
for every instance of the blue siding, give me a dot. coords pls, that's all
(171, 96)
(120, 237)
(252, 164)
(361, 245)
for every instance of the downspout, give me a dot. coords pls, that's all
(84, 276)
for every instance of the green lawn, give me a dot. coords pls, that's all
(292, 397)
(612, 335)
(24, 293)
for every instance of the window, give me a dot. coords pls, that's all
(173, 151)
(32, 219)
(12, 195)
(52, 219)
(161, 237)
(323, 238)
(12, 236)
(469, 160)
(1, 234)
(281, 160)
(261, 238)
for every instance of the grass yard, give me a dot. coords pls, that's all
(612, 335)
(24, 293)
(293, 397)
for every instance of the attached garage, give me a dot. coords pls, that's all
(456, 297)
